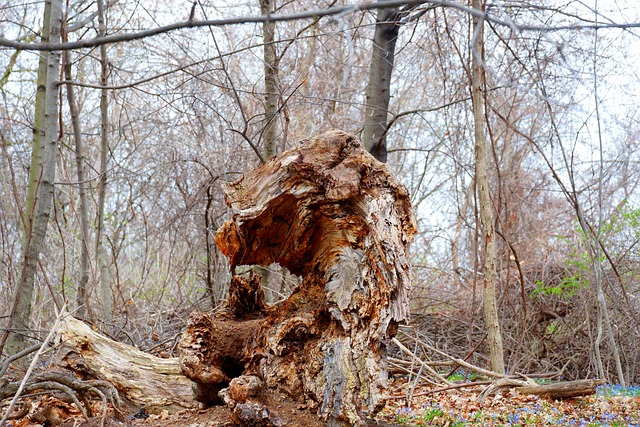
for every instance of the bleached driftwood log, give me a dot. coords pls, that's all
(332, 214)
(146, 381)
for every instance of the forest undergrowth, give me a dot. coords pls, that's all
(409, 405)
(612, 406)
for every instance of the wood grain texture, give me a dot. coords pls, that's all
(142, 379)
(332, 214)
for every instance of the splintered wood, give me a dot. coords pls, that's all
(332, 214)
(151, 382)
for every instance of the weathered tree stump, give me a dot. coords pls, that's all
(332, 214)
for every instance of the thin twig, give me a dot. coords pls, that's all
(427, 367)
(441, 389)
(11, 359)
(458, 361)
(42, 348)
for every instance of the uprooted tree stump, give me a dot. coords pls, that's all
(333, 215)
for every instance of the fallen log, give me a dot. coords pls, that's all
(332, 214)
(562, 390)
(142, 379)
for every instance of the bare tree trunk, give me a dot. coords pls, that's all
(603, 312)
(208, 247)
(378, 89)
(269, 131)
(106, 297)
(269, 126)
(37, 151)
(486, 209)
(40, 198)
(81, 296)
(329, 212)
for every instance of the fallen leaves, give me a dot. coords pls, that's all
(459, 407)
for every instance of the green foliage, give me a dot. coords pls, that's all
(621, 230)
(431, 414)
(459, 375)
(618, 233)
(568, 287)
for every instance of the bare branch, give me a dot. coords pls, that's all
(310, 14)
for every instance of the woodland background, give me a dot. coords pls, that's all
(164, 119)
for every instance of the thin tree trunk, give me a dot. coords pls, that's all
(40, 196)
(34, 173)
(106, 297)
(208, 247)
(603, 313)
(378, 89)
(486, 210)
(270, 81)
(81, 296)
(269, 130)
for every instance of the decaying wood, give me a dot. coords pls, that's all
(144, 380)
(211, 367)
(560, 390)
(332, 214)
(247, 410)
(68, 386)
(563, 390)
(502, 384)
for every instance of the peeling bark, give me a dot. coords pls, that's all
(144, 380)
(332, 214)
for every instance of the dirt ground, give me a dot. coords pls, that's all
(452, 408)
(52, 412)
(283, 410)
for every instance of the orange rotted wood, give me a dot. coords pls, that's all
(332, 214)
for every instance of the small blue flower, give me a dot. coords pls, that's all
(513, 418)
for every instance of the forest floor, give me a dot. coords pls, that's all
(613, 406)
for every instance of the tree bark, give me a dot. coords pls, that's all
(41, 180)
(563, 390)
(378, 92)
(144, 380)
(106, 297)
(269, 125)
(16, 343)
(329, 212)
(482, 184)
(81, 296)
